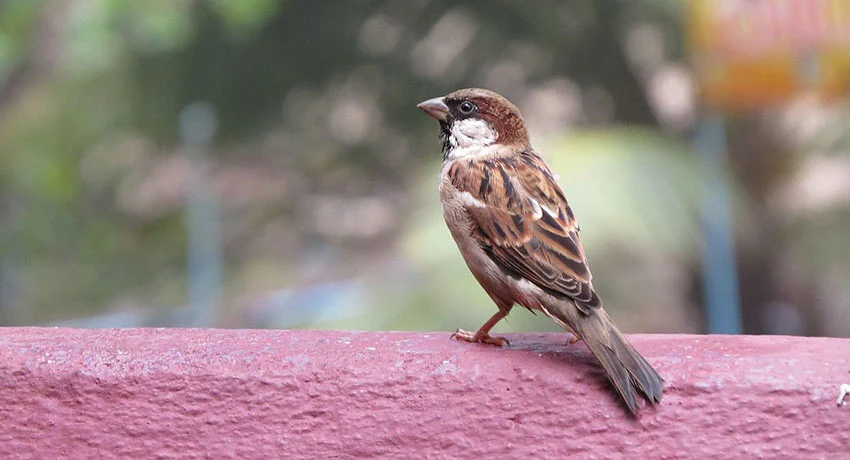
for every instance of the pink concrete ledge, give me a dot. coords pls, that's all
(176, 393)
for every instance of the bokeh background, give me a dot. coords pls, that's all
(261, 163)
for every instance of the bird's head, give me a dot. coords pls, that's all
(473, 118)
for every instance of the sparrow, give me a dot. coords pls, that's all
(518, 235)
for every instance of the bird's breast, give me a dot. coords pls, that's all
(504, 289)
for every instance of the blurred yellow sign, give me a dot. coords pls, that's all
(754, 53)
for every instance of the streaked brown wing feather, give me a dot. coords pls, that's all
(529, 230)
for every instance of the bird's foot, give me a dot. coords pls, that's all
(480, 337)
(573, 339)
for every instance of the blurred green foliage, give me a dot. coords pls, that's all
(326, 172)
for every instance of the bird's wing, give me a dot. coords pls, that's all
(522, 220)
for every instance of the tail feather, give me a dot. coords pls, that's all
(626, 368)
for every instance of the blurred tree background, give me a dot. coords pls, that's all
(320, 174)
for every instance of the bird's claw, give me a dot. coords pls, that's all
(477, 337)
(573, 339)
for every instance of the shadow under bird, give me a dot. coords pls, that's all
(519, 237)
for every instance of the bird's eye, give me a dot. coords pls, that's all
(467, 107)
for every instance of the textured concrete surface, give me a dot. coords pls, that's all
(170, 393)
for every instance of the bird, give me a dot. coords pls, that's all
(518, 235)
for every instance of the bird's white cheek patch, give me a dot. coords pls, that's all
(472, 133)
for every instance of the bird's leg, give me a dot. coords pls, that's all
(572, 336)
(482, 335)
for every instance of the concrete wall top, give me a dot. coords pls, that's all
(205, 393)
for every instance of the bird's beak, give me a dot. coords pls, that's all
(435, 108)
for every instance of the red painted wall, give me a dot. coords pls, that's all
(149, 393)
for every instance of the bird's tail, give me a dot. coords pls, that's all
(625, 367)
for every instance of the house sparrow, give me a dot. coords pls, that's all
(519, 237)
